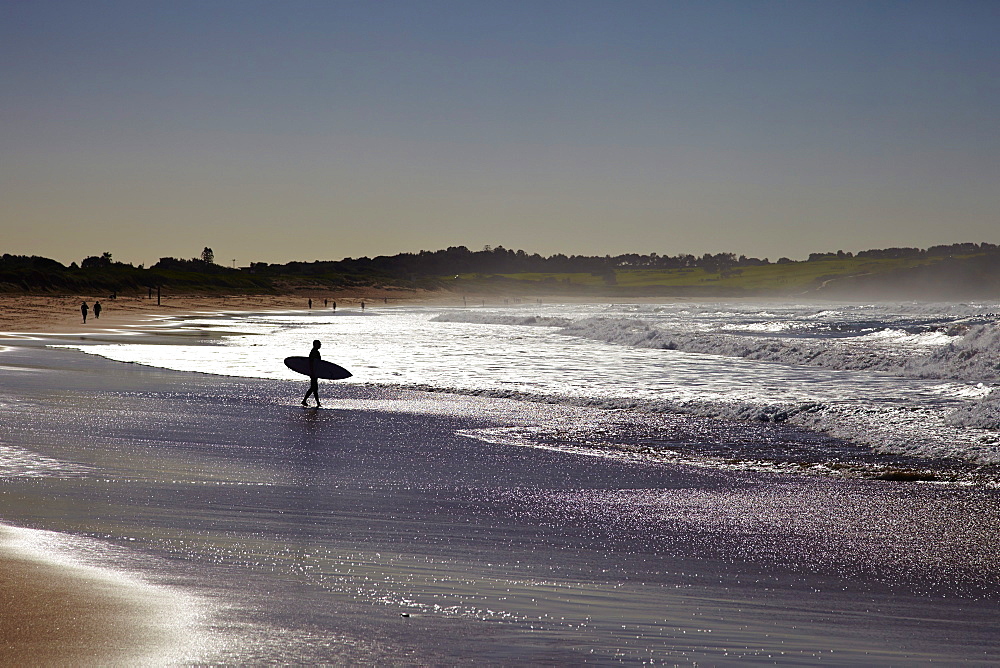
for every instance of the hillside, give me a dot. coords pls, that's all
(965, 276)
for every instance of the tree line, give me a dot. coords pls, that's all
(101, 273)
(20, 272)
(500, 260)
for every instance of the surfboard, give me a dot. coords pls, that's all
(324, 369)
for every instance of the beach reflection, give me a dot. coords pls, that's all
(375, 530)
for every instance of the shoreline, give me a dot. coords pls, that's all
(190, 462)
(60, 314)
(59, 611)
(476, 527)
(357, 438)
(26, 314)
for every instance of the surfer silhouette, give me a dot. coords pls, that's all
(314, 359)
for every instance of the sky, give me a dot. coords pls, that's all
(318, 130)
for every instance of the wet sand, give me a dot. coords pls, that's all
(49, 615)
(316, 531)
(57, 611)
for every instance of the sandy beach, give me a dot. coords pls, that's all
(61, 313)
(374, 532)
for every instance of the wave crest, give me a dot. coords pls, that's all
(968, 354)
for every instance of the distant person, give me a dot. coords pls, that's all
(310, 303)
(314, 359)
(324, 303)
(97, 310)
(84, 309)
(335, 306)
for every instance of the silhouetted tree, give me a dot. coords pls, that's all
(94, 262)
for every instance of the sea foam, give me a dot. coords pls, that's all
(962, 429)
(972, 355)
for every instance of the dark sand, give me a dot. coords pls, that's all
(312, 533)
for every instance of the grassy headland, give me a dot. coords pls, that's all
(967, 275)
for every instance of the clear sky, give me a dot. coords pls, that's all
(305, 130)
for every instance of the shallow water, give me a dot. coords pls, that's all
(891, 379)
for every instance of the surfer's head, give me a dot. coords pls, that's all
(316, 343)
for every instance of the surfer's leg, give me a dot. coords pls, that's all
(313, 390)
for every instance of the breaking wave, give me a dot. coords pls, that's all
(983, 414)
(916, 432)
(473, 318)
(963, 430)
(969, 354)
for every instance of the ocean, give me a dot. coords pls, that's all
(896, 389)
(526, 483)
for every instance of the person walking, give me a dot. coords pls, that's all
(97, 310)
(314, 359)
(84, 309)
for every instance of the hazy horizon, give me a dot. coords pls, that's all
(323, 130)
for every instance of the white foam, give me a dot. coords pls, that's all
(822, 367)
(971, 356)
(984, 414)
(492, 318)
